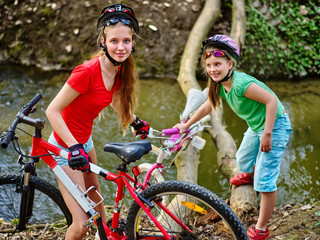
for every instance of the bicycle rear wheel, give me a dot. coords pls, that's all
(48, 205)
(204, 213)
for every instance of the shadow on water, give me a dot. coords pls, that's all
(160, 103)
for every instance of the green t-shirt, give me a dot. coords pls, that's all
(253, 112)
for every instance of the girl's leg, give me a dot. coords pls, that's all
(76, 229)
(92, 180)
(268, 200)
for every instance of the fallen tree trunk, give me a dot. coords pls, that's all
(243, 198)
(187, 163)
(189, 60)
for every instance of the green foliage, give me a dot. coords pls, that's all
(282, 38)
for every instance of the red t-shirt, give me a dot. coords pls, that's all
(80, 113)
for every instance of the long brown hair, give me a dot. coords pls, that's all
(125, 98)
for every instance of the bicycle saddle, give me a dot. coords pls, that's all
(129, 151)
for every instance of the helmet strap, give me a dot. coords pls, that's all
(226, 78)
(104, 48)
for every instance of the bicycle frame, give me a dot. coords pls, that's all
(41, 147)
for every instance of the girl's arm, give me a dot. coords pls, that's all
(66, 95)
(204, 110)
(261, 95)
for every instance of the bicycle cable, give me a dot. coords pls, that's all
(19, 151)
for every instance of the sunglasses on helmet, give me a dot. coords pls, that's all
(215, 53)
(115, 20)
(117, 8)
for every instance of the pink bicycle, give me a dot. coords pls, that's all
(166, 210)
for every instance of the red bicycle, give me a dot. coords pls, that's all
(166, 210)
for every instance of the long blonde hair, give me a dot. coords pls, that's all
(126, 96)
(214, 88)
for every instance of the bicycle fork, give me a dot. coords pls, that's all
(27, 194)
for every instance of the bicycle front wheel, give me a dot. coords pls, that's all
(48, 205)
(185, 211)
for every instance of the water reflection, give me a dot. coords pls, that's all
(160, 103)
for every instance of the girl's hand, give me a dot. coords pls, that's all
(182, 127)
(141, 127)
(266, 141)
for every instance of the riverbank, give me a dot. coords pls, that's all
(289, 222)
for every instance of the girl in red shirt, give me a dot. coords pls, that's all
(107, 79)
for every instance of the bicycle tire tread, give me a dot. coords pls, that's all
(186, 187)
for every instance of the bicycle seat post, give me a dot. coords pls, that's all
(122, 167)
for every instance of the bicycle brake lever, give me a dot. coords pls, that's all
(153, 133)
(33, 110)
(20, 160)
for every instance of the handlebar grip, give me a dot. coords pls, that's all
(170, 131)
(7, 139)
(27, 108)
(36, 99)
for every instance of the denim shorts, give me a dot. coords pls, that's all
(267, 164)
(62, 161)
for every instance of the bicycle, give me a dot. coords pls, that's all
(167, 210)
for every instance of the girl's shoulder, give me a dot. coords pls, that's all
(94, 62)
(241, 81)
(241, 76)
(87, 67)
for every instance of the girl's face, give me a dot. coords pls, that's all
(119, 42)
(217, 67)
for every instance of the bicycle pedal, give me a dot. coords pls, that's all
(91, 220)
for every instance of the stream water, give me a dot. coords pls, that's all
(160, 104)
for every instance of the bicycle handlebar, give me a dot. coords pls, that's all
(171, 136)
(171, 131)
(25, 111)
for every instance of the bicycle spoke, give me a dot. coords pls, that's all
(7, 202)
(185, 211)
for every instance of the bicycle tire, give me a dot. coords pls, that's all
(217, 220)
(156, 175)
(46, 198)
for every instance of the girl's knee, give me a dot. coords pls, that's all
(77, 231)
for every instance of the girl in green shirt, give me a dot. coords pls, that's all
(259, 155)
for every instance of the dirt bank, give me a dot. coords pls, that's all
(61, 34)
(290, 222)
